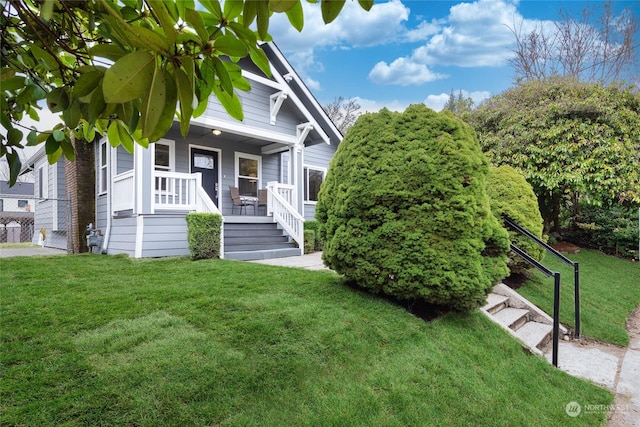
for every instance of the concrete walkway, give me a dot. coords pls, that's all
(612, 367)
(33, 250)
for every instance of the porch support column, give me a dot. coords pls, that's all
(143, 182)
(302, 131)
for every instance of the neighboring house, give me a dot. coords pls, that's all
(16, 212)
(283, 146)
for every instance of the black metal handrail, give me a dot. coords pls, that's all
(556, 298)
(576, 269)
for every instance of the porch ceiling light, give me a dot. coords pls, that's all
(216, 132)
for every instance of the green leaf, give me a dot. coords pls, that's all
(169, 110)
(282, 5)
(194, 18)
(230, 102)
(13, 159)
(244, 34)
(331, 9)
(235, 72)
(71, 115)
(87, 82)
(108, 51)
(97, 105)
(129, 78)
(223, 75)
(51, 145)
(13, 84)
(233, 9)
(32, 138)
(166, 22)
(44, 57)
(183, 5)
(6, 74)
(213, 6)
(366, 4)
(249, 13)
(146, 38)
(230, 45)
(67, 149)
(58, 135)
(296, 16)
(14, 136)
(263, 14)
(57, 100)
(47, 10)
(259, 58)
(185, 96)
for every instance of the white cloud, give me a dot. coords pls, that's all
(353, 28)
(403, 72)
(373, 106)
(438, 101)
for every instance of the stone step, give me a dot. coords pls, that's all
(256, 246)
(512, 318)
(535, 334)
(238, 240)
(495, 303)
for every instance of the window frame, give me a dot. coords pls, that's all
(103, 167)
(305, 180)
(43, 182)
(172, 163)
(240, 155)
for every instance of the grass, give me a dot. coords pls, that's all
(97, 340)
(16, 245)
(609, 292)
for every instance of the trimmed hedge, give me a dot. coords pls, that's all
(203, 234)
(315, 227)
(309, 241)
(404, 210)
(513, 196)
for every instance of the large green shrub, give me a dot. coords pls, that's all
(203, 235)
(611, 229)
(405, 210)
(513, 196)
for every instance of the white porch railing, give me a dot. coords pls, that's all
(172, 191)
(284, 213)
(123, 191)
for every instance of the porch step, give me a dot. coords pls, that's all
(256, 240)
(261, 254)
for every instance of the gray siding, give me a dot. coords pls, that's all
(123, 236)
(165, 235)
(256, 108)
(45, 208)
(318, 155)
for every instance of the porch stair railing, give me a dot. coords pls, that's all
(284, 213)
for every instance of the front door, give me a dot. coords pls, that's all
(206, 162)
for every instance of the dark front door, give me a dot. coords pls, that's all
(206, 162)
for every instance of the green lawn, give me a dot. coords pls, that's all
(106, 340)
(609, 292)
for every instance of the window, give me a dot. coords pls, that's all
(313, 178)
(103, 175)
(1, 205)
(163, 161)
(248, 174)
(22, 203)
(43, 182)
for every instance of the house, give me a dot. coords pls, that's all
(16, 212)
(280, 152)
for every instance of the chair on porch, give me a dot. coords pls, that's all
(242, 202)
(262, 200)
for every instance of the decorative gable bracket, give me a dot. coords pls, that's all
(302, 130)
(275, 102)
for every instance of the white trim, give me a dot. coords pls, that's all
(240, 128)
(139, 236)
(219, 152)
(263, 80)
(42, 176)
(305, 178)
(54, 195)
(236, 173)
(138, 167)
(275, 103)
(103, 187)
(172, 153)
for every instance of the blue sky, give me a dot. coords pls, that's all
(404, 52)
